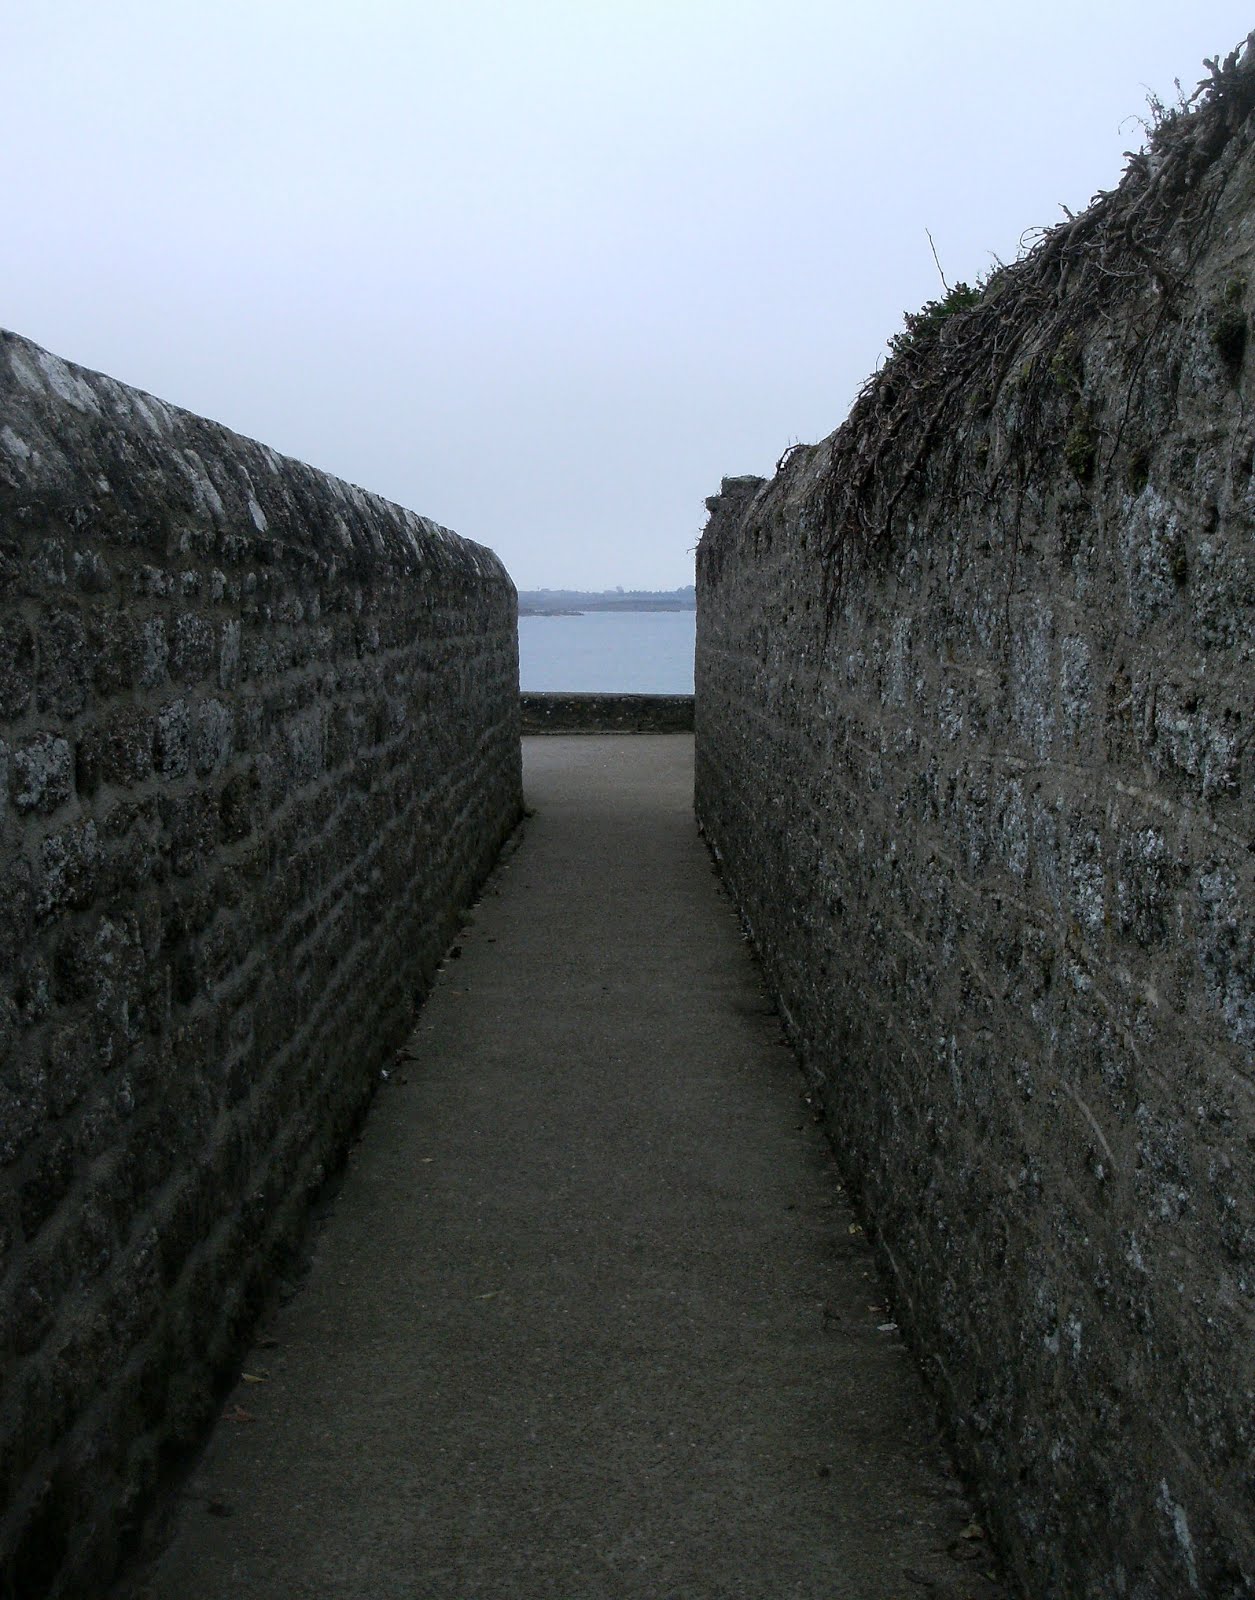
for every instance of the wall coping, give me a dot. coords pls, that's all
(606, 713)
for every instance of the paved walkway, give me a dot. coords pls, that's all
(591, 1317)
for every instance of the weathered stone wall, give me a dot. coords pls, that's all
(978, 764)
(607, 713)
(258, 745)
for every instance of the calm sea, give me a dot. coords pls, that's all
(625, 652)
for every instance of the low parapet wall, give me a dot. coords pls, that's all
(975, 708)
(607, 713)
(258, 745)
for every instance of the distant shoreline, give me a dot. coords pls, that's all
(576, 602)
(568, 611)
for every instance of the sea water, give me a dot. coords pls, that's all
(608, 652)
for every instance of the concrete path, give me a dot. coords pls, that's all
(591, 1317)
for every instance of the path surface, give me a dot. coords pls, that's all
(589, 1318)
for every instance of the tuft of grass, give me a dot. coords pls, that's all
(1080, 448)
(1229, 332)
(1066, 365)
(922, 326)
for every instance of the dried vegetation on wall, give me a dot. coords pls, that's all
(976, 751)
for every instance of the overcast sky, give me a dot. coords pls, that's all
(544, 271)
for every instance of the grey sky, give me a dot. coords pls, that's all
(544, 271)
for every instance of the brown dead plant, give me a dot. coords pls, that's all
(1021, 336)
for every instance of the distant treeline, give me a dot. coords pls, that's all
(565, 602)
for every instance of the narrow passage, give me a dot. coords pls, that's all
(590, 1317)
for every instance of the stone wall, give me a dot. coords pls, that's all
(975, 719)
(607, 713)
(258, 745)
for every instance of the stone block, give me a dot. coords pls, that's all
(64, 663)
(42, 773)
(17, 668)
(192, 647)
(172, 739)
